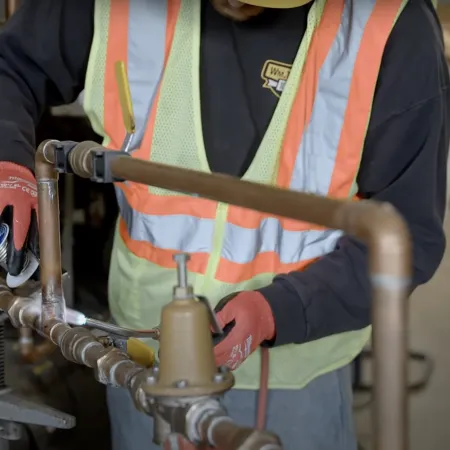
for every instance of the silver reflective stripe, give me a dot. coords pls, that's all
(146, 51)
(242, 245)
(173, 232)
(316, 157)
(313, 167)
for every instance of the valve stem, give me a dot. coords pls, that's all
(184, 290)
(182, 259)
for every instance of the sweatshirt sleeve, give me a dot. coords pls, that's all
(334, 294)
(44, 49)
(404, 163)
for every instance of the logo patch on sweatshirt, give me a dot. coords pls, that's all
(275, 75)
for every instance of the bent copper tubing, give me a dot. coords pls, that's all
(379, 226)
(53, 305)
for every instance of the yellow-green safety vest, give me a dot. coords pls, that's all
(313, 144)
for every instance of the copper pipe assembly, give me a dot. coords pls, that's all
(176, 393)
(114, 368)
(379, 226)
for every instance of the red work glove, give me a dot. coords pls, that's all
(18, 203)
(248, 321)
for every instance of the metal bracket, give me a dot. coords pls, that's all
(10, 431)
(15, 408)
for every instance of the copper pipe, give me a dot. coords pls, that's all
(263, 395)
(26, 343)
(225, 434)
(53, 306)
(31, 352)
(11, 6)
(379, 226)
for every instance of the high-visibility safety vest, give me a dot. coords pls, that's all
(313, 144)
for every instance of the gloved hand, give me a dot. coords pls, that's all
(18, 204)
(247, 321)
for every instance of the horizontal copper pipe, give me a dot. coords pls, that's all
(77, 344)
(225, 434)
(379, 226)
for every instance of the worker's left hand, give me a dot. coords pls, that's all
(247, 321)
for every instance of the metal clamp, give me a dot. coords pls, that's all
(101, 162)
(62, 151)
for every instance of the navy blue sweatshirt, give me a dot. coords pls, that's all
(44, 51)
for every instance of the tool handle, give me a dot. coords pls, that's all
(141, 353)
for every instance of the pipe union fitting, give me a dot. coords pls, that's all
(75, 343)
(18, 309)
(198, 413)
(115, 368)
(141, 401)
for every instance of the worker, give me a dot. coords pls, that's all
(340, 98)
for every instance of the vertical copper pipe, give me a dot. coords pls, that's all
(53, 305)
(11, 6)
(390, 269)
(29, 351)
(67, 239)
(26, 343)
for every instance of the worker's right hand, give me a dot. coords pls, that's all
(18, 205)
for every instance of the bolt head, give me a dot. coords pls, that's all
(219, 378)
(181, 384)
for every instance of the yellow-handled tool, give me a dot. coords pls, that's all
(126, 103)
(122, 338)
(141, 353)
